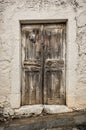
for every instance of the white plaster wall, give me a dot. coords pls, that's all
(11, 13)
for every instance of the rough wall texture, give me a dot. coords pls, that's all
(11, 11)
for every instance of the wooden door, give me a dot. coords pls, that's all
(54, 66)
(31, 65)
(43, 64)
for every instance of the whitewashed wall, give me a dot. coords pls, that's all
(14, 11)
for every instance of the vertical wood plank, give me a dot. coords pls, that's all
(54, 87)
(31, 88)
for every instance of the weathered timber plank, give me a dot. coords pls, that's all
(31, 66)
(54, 67)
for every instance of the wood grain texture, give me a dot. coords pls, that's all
(31, 65)
(54, 92)
(43, 64)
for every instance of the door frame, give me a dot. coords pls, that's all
(71, 57)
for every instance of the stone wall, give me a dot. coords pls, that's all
(12, 12)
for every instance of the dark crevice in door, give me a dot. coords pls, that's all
(43, 62)
(43, 76)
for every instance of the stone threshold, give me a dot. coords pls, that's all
(29, 110)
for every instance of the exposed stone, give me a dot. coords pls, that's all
(56, 109)
(7, 112)
(74, 4)
(29, 110)
(2, 101)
